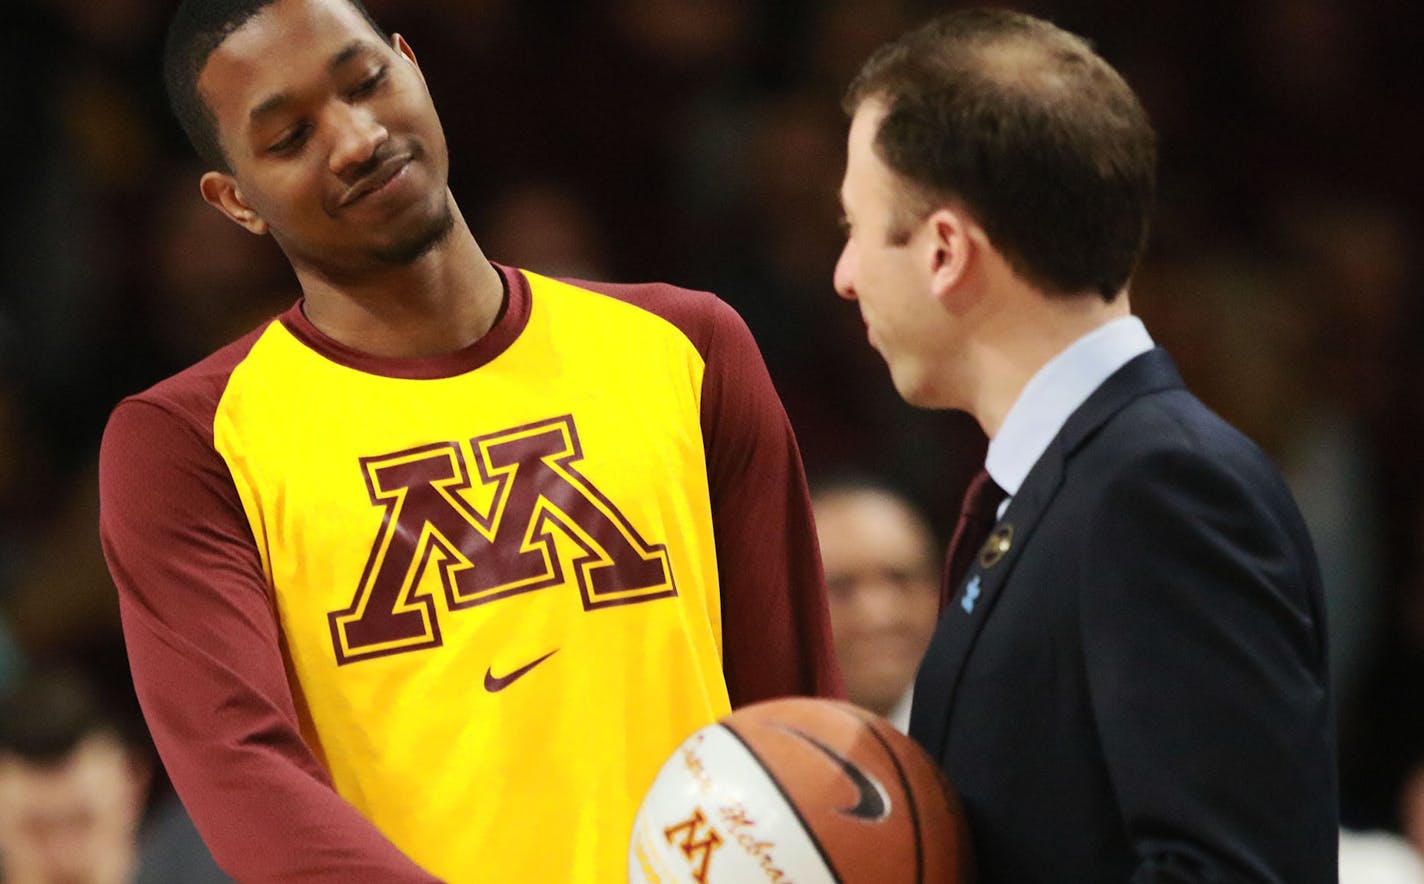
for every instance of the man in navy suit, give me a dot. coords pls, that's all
(1129, 683)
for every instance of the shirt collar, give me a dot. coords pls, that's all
(1055, 392)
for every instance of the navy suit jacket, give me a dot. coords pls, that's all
(1136, 690)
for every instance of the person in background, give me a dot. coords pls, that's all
(75, 779)
(1411, 807)
(72, 786)
(1128, 680)
(882, 567)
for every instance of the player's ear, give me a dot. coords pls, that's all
(399, 44)
(221, 192)
(952, 247)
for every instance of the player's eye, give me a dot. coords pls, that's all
(370, 84)
(290, 141)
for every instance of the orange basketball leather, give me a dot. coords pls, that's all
(877, 806)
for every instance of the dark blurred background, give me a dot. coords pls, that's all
(701, 142)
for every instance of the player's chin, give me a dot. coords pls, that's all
(417, 237)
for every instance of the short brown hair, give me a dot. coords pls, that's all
(1037, 135)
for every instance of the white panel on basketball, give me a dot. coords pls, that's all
(714, 816)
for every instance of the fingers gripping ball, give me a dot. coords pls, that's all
(799, 790)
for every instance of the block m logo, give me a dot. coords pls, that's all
(481, 557)
(698, 851)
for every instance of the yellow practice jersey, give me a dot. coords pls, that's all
(453, 613)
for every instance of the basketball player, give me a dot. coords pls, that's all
(881, 581)
(1129, 680)
(425, 578)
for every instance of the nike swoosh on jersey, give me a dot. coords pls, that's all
(874, 804)
(496, 683)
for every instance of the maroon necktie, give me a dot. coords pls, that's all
(977, 515)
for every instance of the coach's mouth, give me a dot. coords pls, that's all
(373, 182)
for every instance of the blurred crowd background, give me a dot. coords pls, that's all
(701, 142)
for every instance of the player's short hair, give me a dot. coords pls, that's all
(1022, 122)
(198, 28)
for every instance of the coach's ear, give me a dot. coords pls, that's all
(220, 191)
(952, 246)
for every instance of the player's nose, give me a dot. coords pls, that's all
(358, 135)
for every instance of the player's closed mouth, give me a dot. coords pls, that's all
(378, 179)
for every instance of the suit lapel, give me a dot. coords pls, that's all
(962, 620)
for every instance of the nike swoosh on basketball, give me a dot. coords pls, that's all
(874, 804)
(494, 684)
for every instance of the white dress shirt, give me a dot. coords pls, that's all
(1054, 393)
(900, 715)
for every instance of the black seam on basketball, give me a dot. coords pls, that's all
(805, 827)
(869, 724)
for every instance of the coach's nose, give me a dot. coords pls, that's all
(845, 271)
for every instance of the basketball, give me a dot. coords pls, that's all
(803, 790)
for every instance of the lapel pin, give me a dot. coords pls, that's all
(1000, 541)
(971, 595)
